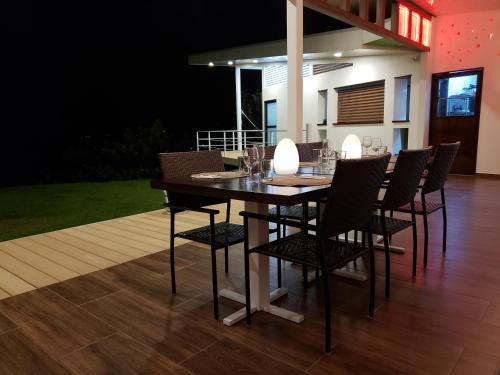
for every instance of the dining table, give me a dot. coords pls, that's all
(257, 196)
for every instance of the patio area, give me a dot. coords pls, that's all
(99, 301)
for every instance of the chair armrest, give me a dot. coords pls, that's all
(200, 209)
(275, 219)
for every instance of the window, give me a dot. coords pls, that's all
(457, 96)
(322, 101)
(271, 121)
(400, 140)
(402, 86)
(361, 104)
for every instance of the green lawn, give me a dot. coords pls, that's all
(27, 210)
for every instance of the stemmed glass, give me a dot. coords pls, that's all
(260, 153)
(247, 160)
(367, 142)
(376, 145)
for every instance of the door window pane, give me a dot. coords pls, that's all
(457, 96)
(271, 122)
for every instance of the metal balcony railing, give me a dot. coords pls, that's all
(233, 140)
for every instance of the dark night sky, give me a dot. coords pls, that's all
(77, 70)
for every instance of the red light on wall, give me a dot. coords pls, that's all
(426, 32)
(404, 17)
(415, 27)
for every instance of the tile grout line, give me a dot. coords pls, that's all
(457, 361)
(201, 350)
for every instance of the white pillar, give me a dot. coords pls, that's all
(295, 46)
(237, 73)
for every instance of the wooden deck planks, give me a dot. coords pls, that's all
(48, 267)
(44, 259)
(12, 284)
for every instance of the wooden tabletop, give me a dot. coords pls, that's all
(249, 189)
(244, 189)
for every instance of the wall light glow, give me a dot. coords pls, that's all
(337, 54)
(415, 27)
(426, 32)
(211, 64)
(404, 17)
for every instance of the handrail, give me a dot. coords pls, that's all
(235, 140)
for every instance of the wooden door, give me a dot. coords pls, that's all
(455, 111)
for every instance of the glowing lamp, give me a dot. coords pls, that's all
(286, 157)
(352, 147)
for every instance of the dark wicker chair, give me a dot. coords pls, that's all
(434, 180)
(217, 235)
(348, 207)
(400, 191)
(296, 212)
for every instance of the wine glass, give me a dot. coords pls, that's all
(260, 154)
(247, 159)
(367, 142)
(376, 145)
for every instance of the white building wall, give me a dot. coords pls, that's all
(364, 69)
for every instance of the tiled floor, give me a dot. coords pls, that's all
(123, 319)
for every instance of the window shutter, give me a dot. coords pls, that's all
(361, 104)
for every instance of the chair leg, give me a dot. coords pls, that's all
(226, 249)
(415, 247)
(387, 267)
(371, 305)
(445, 229)
(213, 250)
(328, 312)
(426, 239)
(248, 306)
(278, 264)
(304, 276)
(391, 215)
(226, 259)
(445, 223)
(215, 291)
(172, 247)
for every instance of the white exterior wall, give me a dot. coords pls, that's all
(365, 69)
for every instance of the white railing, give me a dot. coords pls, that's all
(233, 140)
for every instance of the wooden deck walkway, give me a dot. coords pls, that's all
(36, 261)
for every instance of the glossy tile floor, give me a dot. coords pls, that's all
(123, 319)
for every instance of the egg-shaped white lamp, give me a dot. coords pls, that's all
(286, 157)
(352, 147)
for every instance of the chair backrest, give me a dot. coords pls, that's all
(270, 152)
(353, 195)
(405, 178)
(184, 164)
(306, 150)
(440, 167)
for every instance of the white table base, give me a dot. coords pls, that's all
(261, 296)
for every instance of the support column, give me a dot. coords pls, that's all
(295, 47)
(237, 75)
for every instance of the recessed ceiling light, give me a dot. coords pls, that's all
(210, 64)
(230, 63)
(255, 61)
(337, 54)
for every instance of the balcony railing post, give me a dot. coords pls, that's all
(197, 141)
(209, 140)
(224, 143)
